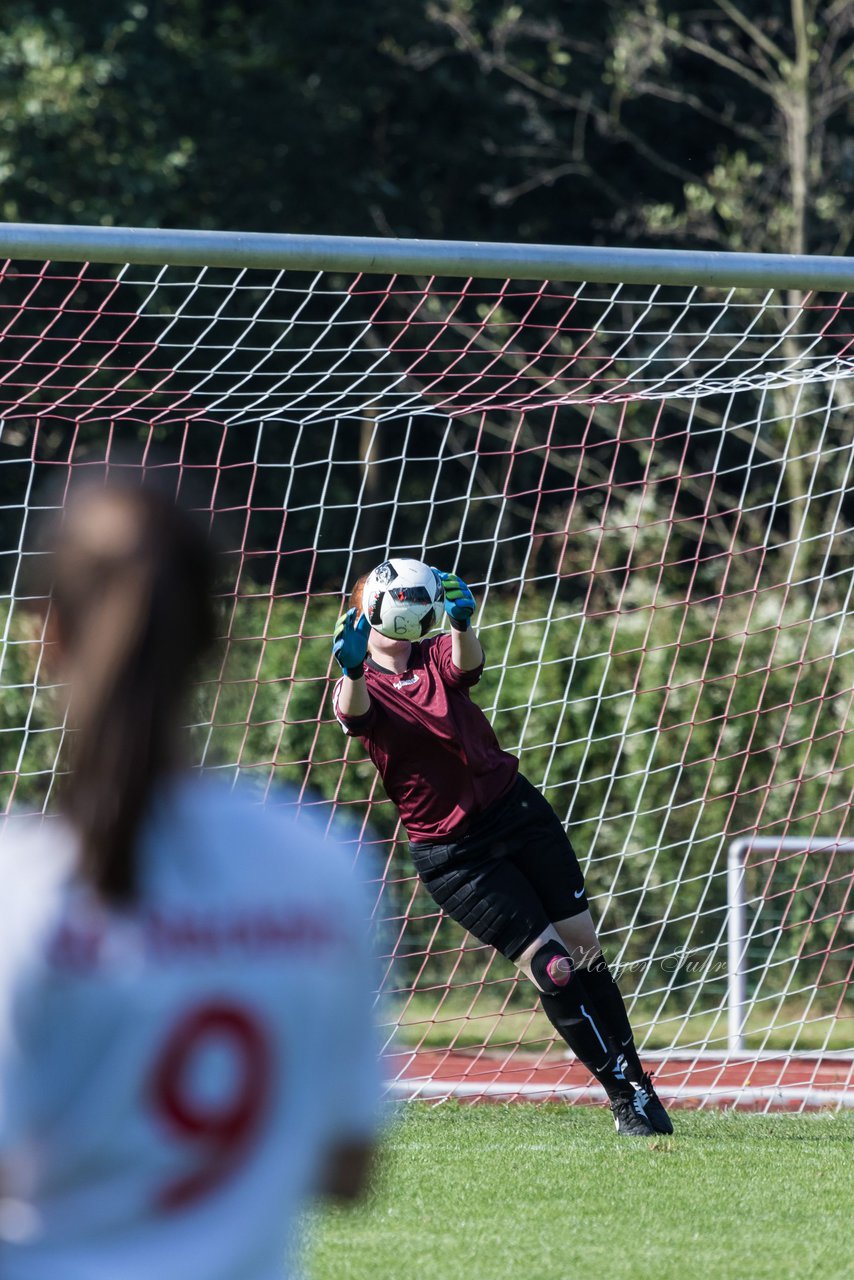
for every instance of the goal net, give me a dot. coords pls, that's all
(649, 487)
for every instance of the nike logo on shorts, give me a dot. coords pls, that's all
(578, 893)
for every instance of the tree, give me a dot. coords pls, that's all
(726, 125)
(250, 114)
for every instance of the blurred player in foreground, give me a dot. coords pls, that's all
(487, 846)
(186, 1045)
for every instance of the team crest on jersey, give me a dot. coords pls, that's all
(401, 684)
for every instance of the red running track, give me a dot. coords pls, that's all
(793, 1082)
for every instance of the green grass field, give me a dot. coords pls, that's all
(548, 1193)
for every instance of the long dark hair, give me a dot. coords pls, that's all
(131, 605)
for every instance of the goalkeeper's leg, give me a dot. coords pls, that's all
(494, 901)
(568, 1007)
(484, 882)
(578, 934)
(551, 868)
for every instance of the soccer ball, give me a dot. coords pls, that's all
(400, 599)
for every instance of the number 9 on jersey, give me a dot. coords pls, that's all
(218, 1130)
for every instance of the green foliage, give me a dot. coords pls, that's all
(30, 715)
(255, 115)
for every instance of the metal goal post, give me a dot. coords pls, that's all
(738, 932)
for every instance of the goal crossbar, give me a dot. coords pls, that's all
(452, 258)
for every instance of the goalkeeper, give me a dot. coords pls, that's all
(487, 846)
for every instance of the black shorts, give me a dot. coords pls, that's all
(511, 875)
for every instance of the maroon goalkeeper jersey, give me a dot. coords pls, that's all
(434, 749)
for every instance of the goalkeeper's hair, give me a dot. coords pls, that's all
(358, 591)
(131, 601)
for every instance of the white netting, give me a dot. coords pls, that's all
(244, 346)
(650, 489)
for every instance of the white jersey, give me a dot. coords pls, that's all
(172, 1077)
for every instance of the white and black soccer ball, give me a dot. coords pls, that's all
(400, 599)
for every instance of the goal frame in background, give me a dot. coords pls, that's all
(739, 932)
(452, 259)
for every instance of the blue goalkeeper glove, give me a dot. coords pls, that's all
(350, 642)
(459, 601)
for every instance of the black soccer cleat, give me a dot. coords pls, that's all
(629, 1119)
(648, 1103)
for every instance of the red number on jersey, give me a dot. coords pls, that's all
(219, 1133)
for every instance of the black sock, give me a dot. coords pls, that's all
(598, 982)
(567, 1012)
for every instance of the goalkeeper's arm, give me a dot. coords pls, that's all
(350, 648)
(466, 650)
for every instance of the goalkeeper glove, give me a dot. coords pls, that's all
(350, 643)
(459, 601)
